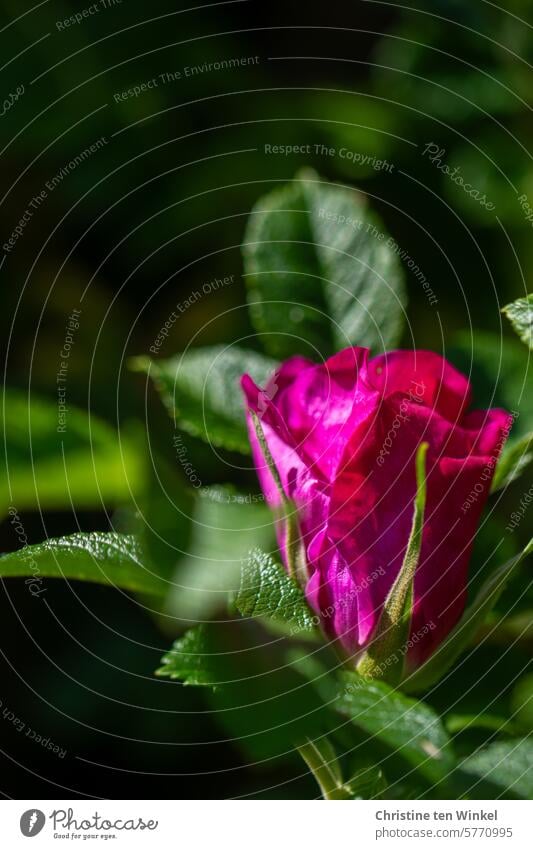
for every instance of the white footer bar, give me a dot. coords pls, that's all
(267, 824)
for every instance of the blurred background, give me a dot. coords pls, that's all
(135, 140)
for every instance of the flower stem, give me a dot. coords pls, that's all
(325, 770)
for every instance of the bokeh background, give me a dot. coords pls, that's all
(144, 221)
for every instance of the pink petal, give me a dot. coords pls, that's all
(424, 375)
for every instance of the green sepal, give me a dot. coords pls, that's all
(392, 630)
(296, 561)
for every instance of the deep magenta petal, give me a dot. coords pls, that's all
(316, 407)
(425, 376)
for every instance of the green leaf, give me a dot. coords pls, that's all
(201, 390)
(520, 314)
(508, 765)
(319, 271)
(410, 727)
(392, 631)
(465, 630)
(102, 558)
(195, 659)
(515, 457)
(267, 590)
(405, 725)
(49, 465)
(225, 526)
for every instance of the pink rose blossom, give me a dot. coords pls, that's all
(344, 436)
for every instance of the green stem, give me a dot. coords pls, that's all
(323, 771)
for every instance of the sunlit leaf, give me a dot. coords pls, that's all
(267, 590)
(102, 558)
(320, 273)
(520, 314)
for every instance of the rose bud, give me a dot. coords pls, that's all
(337, 448)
